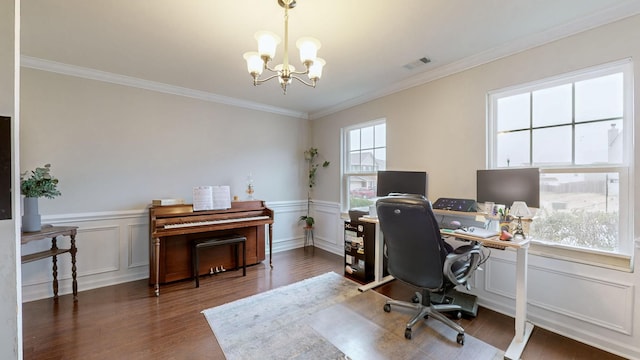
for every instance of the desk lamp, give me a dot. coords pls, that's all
(519, 209)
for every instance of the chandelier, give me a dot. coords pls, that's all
(258, 61)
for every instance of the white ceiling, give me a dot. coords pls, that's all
(198, 44)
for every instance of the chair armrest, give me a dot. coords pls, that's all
(461, 263)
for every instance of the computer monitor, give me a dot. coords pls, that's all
(404, 182)
(504, 186)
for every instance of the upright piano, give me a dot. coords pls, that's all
(172, 228)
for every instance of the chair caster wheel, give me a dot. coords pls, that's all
(407, 334)
(415, 299)
(459, 315)
(387, 308)
(459, 339)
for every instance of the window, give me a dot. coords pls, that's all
(364, 153)
(577, 129)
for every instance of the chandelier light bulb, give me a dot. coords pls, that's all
(315, 70)
(255, 64)
(308, 47)
(267, 43)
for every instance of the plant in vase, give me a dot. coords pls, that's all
(311, 156)
(39, 183)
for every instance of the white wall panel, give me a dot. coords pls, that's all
(98, 250)
(580, 297)
(138, 250)
(572, 295)
(329, 234)
(500, 277)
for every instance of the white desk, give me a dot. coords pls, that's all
(378, 269)
(523, 328)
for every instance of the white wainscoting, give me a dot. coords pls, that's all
(587, 303)
(329, 232)
(113, 247)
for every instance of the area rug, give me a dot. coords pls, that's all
(326, 317)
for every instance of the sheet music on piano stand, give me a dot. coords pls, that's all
(211, 197)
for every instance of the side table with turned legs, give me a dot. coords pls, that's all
(53, 232)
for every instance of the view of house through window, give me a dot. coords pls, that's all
(365, 152)
(576, 129)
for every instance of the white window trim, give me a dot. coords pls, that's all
(344, 193)
(625, 66)
(609, 260)
(621, 260)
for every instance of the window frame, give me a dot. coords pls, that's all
(345, 173)
(625, 169)
(624, 66)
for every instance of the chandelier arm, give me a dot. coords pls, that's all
(267, 67)
(299, 72)
(260, 81)
(312, 84)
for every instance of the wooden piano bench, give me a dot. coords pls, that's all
(234, 240)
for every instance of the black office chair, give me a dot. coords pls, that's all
(417, 255)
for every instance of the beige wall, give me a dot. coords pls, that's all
(116, 148)
(440, 127)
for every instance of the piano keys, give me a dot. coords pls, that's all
(172, 228)
(213, 222)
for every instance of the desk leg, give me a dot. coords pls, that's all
(378, 267)
(156, 264)
(74, 274)
(523, 328)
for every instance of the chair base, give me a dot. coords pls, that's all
(467, 302)
(425, 311)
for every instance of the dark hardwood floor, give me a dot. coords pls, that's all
(127, 321)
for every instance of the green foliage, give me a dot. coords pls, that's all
(359, 202)
(311, 156)
(308, 220)
(594, 230)
(39, 184)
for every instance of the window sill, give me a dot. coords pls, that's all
(603, 259)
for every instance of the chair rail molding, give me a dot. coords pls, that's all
(113, 247)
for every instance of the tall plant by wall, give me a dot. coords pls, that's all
(311, 156)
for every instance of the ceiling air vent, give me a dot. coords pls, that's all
(414, 64)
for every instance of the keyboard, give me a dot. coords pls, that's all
(477, 232)
(447, 226)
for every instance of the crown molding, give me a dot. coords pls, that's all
(614, 14)
(93, 74)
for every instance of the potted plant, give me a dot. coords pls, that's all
(311, 156)
(39, 184)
